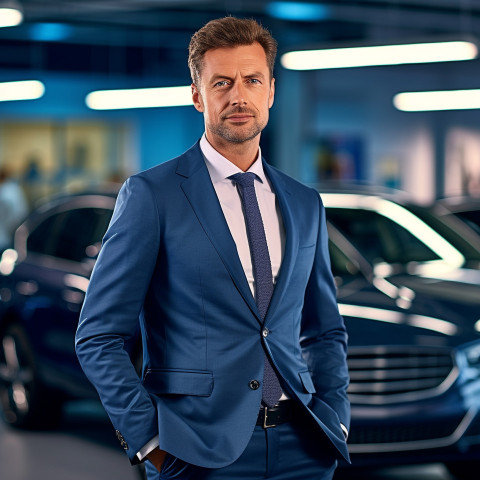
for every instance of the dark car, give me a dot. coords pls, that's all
(414, 362)
(427, 267)
(414, 352)
(43, 281)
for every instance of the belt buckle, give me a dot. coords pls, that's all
(265, 415)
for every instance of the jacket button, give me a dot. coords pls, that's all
(265, 332)
(254, 384)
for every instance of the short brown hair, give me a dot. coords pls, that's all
(228, 32)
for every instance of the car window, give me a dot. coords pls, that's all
(68, 234)
(378, 238)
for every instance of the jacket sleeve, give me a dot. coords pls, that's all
(323, 334)
(110, 314)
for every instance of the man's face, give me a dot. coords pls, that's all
(235, 93)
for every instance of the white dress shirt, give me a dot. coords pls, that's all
(220, 169)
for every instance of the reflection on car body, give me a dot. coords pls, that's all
(414, 350)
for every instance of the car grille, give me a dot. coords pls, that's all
(381, 375)
(406, 432)
(413, 435)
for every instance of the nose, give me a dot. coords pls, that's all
(238, 94)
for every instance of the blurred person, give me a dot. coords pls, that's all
(33, 180)
(224, 262)
(13, 207)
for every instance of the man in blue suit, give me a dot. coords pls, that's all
(224, 262)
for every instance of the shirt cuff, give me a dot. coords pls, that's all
(344, 429)
(146, 449)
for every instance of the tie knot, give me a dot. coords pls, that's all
(244, 180)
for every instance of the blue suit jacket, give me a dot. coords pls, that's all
(168, 259)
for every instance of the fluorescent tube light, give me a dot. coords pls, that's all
(10, 17)
(440, 100)
(21, 90)
(139, 98)
(379, 55)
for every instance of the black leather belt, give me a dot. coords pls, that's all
(269, 417)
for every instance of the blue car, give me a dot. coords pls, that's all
(414, 362)
(414, 352)
(43, 281)
(414, 348)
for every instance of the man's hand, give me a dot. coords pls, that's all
(157, 457)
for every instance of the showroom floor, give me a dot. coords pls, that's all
(85, 448)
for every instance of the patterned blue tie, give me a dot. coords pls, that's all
(262, 271)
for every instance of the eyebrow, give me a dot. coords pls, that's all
(218, 77)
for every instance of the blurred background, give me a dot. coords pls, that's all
(340, 123)
(334, 123)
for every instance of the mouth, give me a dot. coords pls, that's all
(239, 117)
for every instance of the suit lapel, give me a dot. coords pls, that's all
(201, 195)
(284, 199)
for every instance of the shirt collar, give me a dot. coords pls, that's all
(220, 168)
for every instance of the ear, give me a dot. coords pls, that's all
(271, 94)
(197, 98)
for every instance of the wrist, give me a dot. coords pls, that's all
(157, 457)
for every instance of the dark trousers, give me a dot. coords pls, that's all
(292, 451)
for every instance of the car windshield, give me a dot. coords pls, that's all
(381, 239)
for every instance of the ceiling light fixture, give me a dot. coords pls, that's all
(365, 56)
(437, 100)
(21, 90)
(299, 11)
(139, 98)
(10, 14)
(50, 32)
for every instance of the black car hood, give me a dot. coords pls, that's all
(457, 285)
(410, 310)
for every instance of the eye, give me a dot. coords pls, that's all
(254, 80)
(221, 83)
